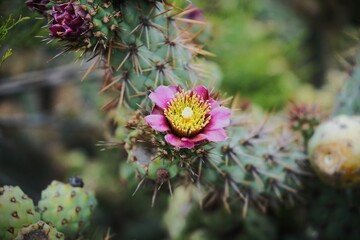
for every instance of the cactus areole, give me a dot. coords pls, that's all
(188, 117)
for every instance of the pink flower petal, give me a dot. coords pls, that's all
(213, 103)
(162, 95)
(157, 110)
(218, 135)
(220, 118)
(197, 138)
(202, 92)
(157, 122)
(178, 142)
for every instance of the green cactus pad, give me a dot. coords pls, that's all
(17, 210)
(156, 169)
(348, 100)
(67, 208)
(258, 165)
(140, 44)
(262, 165)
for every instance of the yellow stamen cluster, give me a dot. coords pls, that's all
(187, 114)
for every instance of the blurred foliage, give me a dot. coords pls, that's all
(5, 26)
(256, 44)
(25, 33)
(26, 41)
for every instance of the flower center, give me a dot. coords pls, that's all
(187, 114)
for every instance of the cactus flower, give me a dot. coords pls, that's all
(37, 5)
(69, 21)
(188, 117)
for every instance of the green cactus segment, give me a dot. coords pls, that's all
(141, 44)
(261, 165)
(154, 168)
(348, 100)
(257, 164)
(154, 160)
(152, 51)
(39, 231)
(104, 25)
(17, 210)
(67, 208)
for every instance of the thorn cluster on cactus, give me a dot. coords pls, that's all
(304, 119)
(262, 164)
(145, 44)
(257, 165)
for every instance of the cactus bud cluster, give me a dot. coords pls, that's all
(69, 22)
(304, 119)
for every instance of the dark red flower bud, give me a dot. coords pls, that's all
(70, 21)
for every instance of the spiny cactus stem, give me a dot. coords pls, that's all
(157, 187)
(226, 196)
(91, 68)
(170, 188)
(245, 207)
(236, 189)
(235, 158)
(200, 168)
(256, 176)
(153, 199)
(217, 168)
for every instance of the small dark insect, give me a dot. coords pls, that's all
(76, 182)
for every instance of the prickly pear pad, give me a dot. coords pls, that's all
(67, 208)
(17, 210)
